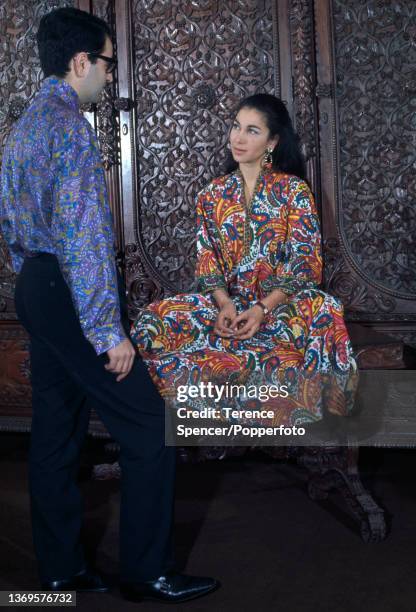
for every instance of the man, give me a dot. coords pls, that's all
(55, 217)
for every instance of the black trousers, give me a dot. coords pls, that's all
(65, 373)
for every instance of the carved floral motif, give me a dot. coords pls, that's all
(193, 62)
(304, 77)
(14, 368)
(375, 58)
(106, 116)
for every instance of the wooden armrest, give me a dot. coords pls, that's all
(375, 350)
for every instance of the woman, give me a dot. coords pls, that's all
(259, 320)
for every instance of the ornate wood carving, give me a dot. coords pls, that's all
(344, 282)
(383, 357)
(105, 119)
(123, 104)
(192, 63)
(15, 394)
(368, 184)
(7, 281)
(407, 337)
(373, 50)
(336, 468)
(142, 288)
(304, 74)
(106, 116)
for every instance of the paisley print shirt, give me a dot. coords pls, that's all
(53, 199)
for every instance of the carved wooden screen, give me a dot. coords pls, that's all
(192, 63)
(367, 87)
(183, 66)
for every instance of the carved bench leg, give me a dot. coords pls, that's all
(337, 468)
(186, 454)
(106, 471)
(330, 467)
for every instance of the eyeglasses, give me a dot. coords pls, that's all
(111, 61)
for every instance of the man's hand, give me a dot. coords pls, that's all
(225, 320)
(121, 359)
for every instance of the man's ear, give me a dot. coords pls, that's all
(80, 63)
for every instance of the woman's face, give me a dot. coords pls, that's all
(250, 137)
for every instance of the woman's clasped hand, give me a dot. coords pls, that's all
(242, 326)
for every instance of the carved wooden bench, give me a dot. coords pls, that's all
(331, 467)
(336, 468)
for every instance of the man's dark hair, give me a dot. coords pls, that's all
(63, 33)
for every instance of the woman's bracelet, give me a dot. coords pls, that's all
(262, 306)
(265, 309)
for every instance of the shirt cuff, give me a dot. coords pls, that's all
(107, 338)
(16, 261)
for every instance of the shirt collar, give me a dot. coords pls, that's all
(58, 87)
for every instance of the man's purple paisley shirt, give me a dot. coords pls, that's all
(53, 199)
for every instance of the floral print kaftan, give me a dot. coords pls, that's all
(302, 345)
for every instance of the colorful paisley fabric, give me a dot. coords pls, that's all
(53, 199)
(303, 345)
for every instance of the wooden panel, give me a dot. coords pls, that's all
(303, 105)
(193, 62)
(15, 392)
(368, 199)
(374, 68)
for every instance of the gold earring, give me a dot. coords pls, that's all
(268, 159)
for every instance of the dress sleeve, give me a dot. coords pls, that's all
(209, 271)
(82, 233)
(297, 263)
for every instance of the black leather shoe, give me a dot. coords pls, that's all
(172, 588)
(84, 582)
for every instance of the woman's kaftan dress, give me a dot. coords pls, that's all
(302, 348)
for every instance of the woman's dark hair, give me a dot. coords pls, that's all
(286, 156)
(63, 33)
